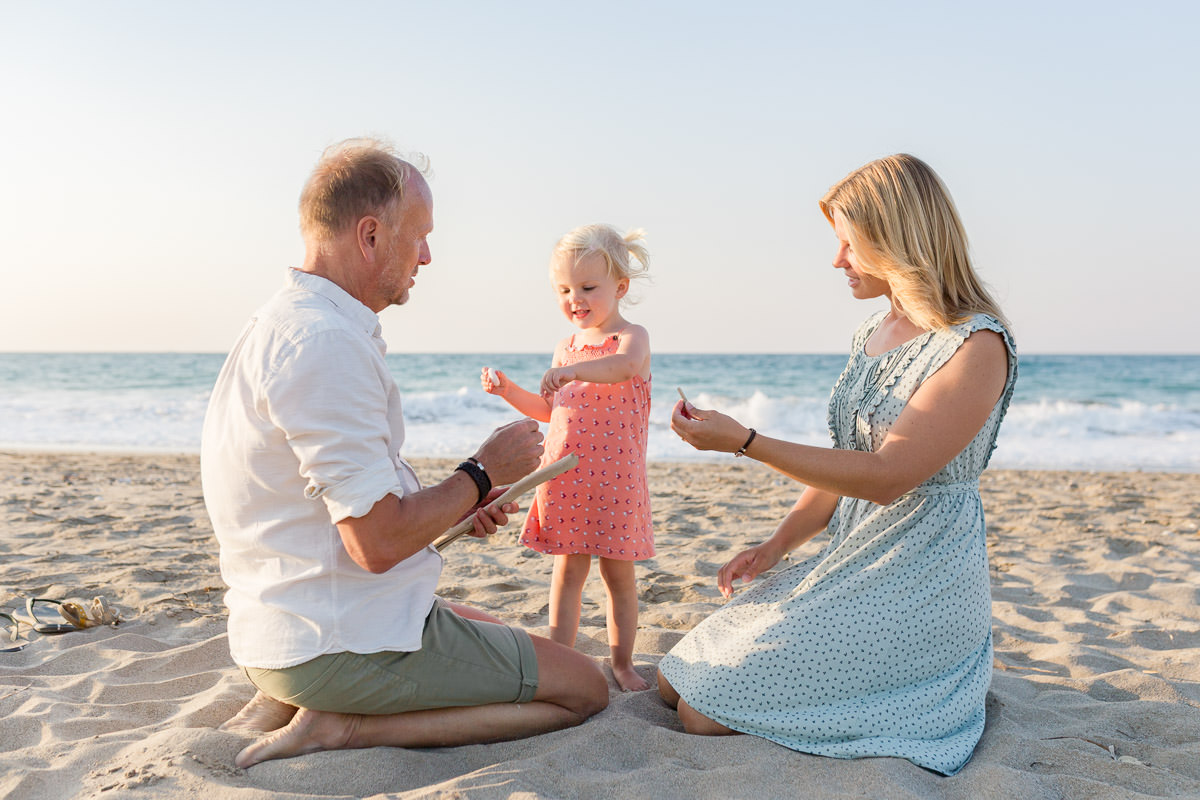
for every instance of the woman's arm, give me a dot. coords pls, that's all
(941, 418)
(632, 358)
(808, 517)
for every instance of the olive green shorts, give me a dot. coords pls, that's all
(462, 662)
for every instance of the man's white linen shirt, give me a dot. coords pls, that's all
(304, 429)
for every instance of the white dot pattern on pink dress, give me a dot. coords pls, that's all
(602, 507)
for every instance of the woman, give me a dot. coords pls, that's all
(880, 645)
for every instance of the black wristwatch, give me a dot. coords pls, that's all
(477, 473)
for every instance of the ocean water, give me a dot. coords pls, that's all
(1069, 412)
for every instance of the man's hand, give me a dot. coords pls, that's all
(511, 452)
(486, 518)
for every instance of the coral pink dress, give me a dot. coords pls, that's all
(602, 507)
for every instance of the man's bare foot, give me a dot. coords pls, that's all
(262, 714)
(308, 732)
(629, 679)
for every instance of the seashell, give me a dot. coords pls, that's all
(493, 377)
(102, 614)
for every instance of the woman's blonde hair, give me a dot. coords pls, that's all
(353, 179)
(904, 229)
(626, 255)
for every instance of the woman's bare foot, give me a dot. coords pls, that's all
(262, 714)
(308, 732)
(629, 679)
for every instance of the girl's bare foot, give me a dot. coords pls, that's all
(629, 679)
(308, 732)
(262, 714)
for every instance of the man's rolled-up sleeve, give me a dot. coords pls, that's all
(330, 399)
(358, 494)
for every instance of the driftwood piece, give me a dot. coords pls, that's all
(512, 493)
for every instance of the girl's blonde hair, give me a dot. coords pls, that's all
(904, 229)
(626, 256)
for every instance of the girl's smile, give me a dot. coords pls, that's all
(587, 294)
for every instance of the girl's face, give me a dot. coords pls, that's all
(862, 286)
(587, 294)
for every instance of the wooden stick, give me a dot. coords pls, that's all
(519, 488)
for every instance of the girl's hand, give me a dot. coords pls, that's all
(494, 381)
(708, 430)
(747, 565)
(556, 378)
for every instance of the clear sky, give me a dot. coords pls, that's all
(153, 153)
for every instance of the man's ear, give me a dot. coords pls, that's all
(367, 237)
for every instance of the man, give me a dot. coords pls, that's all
(324, 529)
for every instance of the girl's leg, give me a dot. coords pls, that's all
(621, 584)
(566, 593)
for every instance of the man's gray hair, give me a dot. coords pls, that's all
(353, 179)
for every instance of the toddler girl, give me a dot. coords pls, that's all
(596, 397)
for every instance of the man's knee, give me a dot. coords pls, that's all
(592, 686)
(570, 679)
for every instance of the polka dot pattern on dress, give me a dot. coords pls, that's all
(602, 507)
(881, 645)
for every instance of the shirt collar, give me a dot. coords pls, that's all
(342, 300)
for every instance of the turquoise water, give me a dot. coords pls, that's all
(1074, 412)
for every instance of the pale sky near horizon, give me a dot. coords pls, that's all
(153, 154)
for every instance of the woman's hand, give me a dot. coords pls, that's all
(748, 565)
(707, 429)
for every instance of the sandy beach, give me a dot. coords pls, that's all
(1096, 694)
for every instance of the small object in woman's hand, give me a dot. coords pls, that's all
(684, 410)
(493, 377)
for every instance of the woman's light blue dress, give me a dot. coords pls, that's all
(881, 645)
